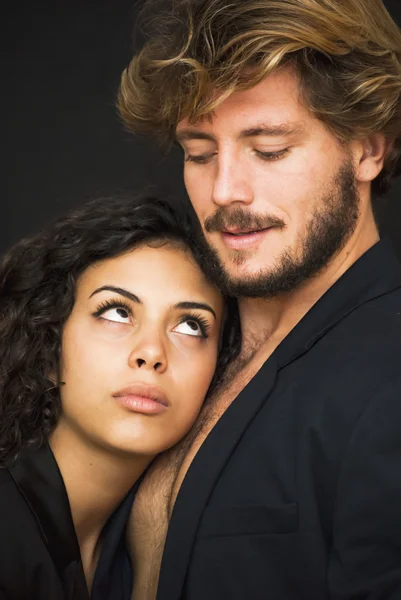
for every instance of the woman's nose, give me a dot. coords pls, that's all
(149, 355)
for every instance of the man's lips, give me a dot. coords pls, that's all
(142, 398)
(238, 231)
(239, 239)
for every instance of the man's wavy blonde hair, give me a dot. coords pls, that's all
(347, 54)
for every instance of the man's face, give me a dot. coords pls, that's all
(273, 188)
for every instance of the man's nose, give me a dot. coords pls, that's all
(149, 353)
(233, 182)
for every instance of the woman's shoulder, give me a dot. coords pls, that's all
(18, 532)
(5, 478)
(11, 499)
(16, 517)
(27, 569)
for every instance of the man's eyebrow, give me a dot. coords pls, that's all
(117, 290)
(196, 305)
(184, 135)
(281, 129)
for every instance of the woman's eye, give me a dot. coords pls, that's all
(119, 314)
(190, 327)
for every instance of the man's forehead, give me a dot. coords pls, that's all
(273, 107)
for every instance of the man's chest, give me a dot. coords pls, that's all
(154, 502)
(267, 464)
(158, 492)
(156, 497)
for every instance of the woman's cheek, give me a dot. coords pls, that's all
(198, 374)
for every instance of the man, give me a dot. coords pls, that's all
(289, 487)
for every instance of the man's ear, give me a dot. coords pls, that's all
(370, 154)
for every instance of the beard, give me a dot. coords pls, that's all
(329, 228)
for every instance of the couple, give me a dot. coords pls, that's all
(286, 484)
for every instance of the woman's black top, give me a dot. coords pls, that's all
(39, 551)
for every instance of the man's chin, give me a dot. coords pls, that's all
(236, 262)
(242, 281)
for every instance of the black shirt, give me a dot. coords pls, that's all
(39, 551)
(296, 492)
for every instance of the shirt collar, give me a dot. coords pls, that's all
(40, 482)
(375, 273)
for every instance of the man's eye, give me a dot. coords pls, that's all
(272, 156)
(199, 159)
(118, 314)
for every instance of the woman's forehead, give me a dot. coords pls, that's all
(166, 270)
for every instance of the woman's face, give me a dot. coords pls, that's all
(139, 350)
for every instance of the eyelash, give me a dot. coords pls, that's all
(272, 156)
(199, 160)
(203, 323)
(267, 156)
(108, 304)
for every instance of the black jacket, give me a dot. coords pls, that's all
(296, 492)
(39, 552)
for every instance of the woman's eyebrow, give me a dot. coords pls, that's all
(134, 298)
(196, 305)
(117, 290)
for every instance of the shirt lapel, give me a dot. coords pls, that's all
(202, 475)
(376, 273)
(39, 480)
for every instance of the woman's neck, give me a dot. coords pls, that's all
(96, 480)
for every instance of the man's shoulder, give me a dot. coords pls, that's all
(364, 346)
(388, 303)
(369, 296)
(356, 357)
(377, 321)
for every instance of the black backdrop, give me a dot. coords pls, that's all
(61, 62)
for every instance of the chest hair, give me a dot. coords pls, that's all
(154, 503)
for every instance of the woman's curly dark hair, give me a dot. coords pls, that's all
(37, 291)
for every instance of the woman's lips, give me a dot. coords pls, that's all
(243, 240)
(140, 404)
(143, 399)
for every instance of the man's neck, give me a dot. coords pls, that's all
(266, 322)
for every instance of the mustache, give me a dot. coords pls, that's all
(238, 218)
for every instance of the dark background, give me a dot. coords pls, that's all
(61, 63)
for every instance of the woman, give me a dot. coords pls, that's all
(109, 340)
